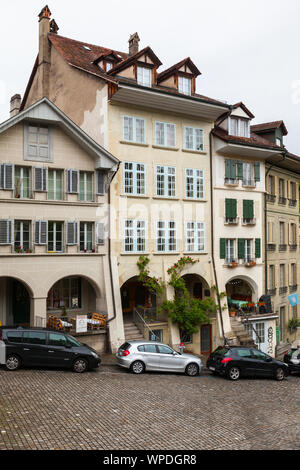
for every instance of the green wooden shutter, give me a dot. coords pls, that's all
(257, 171)
(248, 209)
(227, 169)
(222, 248)
(230, 208)
(241, 248)
(257, 248)
(240, 170)
(233, 169)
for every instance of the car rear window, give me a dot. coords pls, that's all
(244, 352)
(221, 351)
(14, 336)
(125, 346)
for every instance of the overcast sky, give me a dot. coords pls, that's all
(246, 50)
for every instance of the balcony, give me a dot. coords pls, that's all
(293, 247)
(292, 202)
(293, 288)
(271, 247)
(282, 247)
(283, 290)
(249, 183)
(231, 221)
(271, 197)
(282, 200)
(249, 221)
(272, 291)
(231, 182)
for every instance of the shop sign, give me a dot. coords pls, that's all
(81, 323)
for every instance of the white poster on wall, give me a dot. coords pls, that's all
(81, 323)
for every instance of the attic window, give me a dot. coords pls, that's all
(86, 48)
(109, 65)
(238, 127)
(144, 76)
(184, 85)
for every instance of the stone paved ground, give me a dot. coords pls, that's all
(112, 409)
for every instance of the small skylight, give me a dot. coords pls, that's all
(86, 48)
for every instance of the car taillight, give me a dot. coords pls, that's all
(125, 352)
(226, 359)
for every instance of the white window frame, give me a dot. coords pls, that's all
(71, 189)
(248, 250)
(21, 222)
(163, 231)
(56, 173)
(164, 134)
(144, 76)
(54, 236)
(185, 85)
(136, 172)
(197, 177)
(133, 120)
(238, 126)
(230, 250)
(168, 176)
(85, 174)
(85, 232)
(132, 229)
(190, 142)
(195, 237)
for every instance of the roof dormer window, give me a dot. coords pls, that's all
(238, 127)
(109, 65)
(184, 85)
(144, 76)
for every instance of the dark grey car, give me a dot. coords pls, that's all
(140, 356)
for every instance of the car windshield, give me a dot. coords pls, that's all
(73, 341)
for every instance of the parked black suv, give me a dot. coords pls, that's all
(237, 361)
(42, 347)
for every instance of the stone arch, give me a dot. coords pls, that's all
(54, 279)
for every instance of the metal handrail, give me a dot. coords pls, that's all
(246, 320)
(137, 322)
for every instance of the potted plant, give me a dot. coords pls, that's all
(19, 249)
(232, 312)
(293, 324)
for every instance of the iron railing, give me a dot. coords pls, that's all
(140, 322)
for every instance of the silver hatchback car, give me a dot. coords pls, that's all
(140, 356)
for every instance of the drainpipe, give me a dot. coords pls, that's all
(265, 210)
(109, 249)
(212, 236)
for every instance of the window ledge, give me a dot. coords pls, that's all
(138, 144)
(139, 196)
(194, 199)
(163, 147)
(134, 253)
(169, 198)
(189, 253)
(163, 253)
(199, 152)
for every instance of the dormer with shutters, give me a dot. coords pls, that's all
(181, 76)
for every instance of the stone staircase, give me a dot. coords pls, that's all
(132, 332)
(241, 333)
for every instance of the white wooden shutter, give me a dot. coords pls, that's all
(72, 181)
(41, 232)
(72, 233)
(100, 233)
(5, 232)
(40, 179)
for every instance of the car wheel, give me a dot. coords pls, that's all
(192, 370)
(80, 365)
(13, 362)
(279, 374)
(234, 373)
(137, 367)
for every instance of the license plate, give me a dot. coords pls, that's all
(212, 368)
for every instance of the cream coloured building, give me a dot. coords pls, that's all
(53, 225)
(160, 199)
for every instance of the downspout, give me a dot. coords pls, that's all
(212, 236)
(109, 249)
(265, 209)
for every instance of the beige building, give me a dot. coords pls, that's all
(160, 199)
(53, 225)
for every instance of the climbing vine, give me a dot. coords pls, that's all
(153, 284)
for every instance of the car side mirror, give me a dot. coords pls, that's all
(68, 345)
(268, 359)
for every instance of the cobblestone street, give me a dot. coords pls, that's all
(113, 409)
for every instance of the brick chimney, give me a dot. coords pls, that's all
(44, 50)
(15, 104)
(134, 44)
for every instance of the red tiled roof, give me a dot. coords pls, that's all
(132, 58)
(268, 126)
(254, 139)
(244, 108)
(166, 73)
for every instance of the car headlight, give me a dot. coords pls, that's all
(95, 355)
